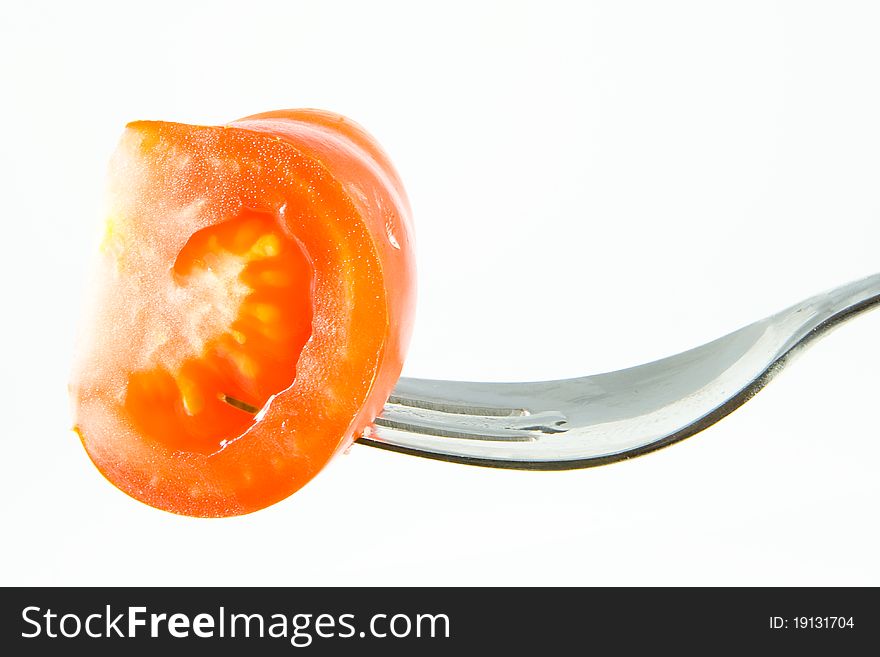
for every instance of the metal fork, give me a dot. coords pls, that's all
(593, 420)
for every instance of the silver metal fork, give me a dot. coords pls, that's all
(593, 420)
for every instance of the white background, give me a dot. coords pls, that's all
(595, 185)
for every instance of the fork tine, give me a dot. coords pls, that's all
(476, 424)
(401, 398)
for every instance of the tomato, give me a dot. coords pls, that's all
(252, 307)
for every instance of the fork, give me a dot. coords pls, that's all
(599, 419)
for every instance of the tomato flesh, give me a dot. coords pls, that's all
(246, 289)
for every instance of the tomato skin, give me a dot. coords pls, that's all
(333, 190)
(376, 189)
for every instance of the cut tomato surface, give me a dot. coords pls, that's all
(251, 311)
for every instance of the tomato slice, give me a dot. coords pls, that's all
(253, 303)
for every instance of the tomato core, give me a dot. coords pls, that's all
(239, 312)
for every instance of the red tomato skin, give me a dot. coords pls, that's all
(374, 185)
